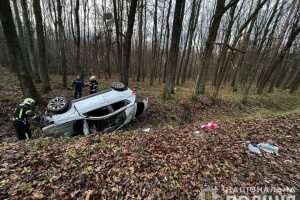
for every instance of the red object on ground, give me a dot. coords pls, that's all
(210, 126)
(185, 130)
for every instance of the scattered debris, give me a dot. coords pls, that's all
(147, 130)
(253, 149)
(209, 126)
(197, 133)
(242, 178)
(268, 148)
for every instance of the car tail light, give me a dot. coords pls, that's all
(133, 93)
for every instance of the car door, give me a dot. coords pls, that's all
(141, 107)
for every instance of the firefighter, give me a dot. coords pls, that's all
(93, 85)
(20, 118)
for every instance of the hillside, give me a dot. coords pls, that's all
(169, 162)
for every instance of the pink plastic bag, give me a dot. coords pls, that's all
(210, 126)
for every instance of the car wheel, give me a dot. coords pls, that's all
(118, 86)
(58, 105)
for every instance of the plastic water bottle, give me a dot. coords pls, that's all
(253, 149)
(267, 147)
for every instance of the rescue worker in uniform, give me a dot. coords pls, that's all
(20, 119)
(78, 85)
(93, 85)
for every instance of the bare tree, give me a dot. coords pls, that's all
(21, 33)
(30, 43)
(108, 21)
(188, 45)
(19, 66)
(253, 69)
(118, 24)
(41, 46)
(61, 35)
(295, 81)
(140, 35)
(213, 30)
(279, 43)
(167, 39)
(154, 44)
(79, 67)
(266, 76)
(174, 49)
(243, 48)
(220, 72)
(127, 43)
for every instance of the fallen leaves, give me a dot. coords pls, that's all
(164, 164)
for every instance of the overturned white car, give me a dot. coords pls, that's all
(104, 111)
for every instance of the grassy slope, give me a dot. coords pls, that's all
(165, 163)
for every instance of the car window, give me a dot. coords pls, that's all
(119, 104)
(98, 112)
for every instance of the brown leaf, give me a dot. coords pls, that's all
(88, 194)
(37, 195)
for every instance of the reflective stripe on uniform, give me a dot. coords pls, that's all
(20, 113)
(28, 111)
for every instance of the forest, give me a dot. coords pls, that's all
(233, 63)
(210, 42)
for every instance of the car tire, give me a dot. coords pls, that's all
(118, 86)
(58, 105)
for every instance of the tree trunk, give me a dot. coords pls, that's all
(239, 34)
(192, 27)
(174, 49)
(273, 78)
(108, 42)
(84, 53)
(167, 39)
(21, 34)
(221, 63)
(118, 39)
(41, 46)
(212, 34)
(127, 43)
(61, 35)
(140, 45)
(19, 66)
(295, 82)
(154, 44)
(240, 63)
(266, 77)
(30, 43)
(79, 67)
(144, 42)
(285, 26)
(253, 71)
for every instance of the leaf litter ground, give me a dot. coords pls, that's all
(166, 163)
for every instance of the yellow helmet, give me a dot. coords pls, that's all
(28, 101)
(93, 78)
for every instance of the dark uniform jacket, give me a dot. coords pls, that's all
(93, 86)
(22, 112)
(78, 84)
